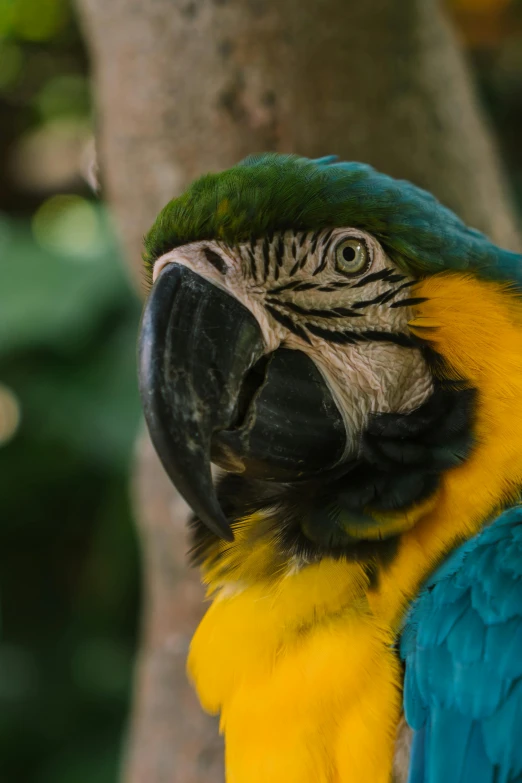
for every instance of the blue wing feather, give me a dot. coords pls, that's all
(462, 646)
(418, 755)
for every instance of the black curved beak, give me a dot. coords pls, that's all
(209, 393)
(196, 345)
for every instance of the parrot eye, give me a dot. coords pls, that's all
(351, 257)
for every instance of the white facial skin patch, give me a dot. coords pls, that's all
(336, 296)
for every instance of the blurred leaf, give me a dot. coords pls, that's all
(94, 762)
(33, 20)
(70, 226)
(64, 96)
(67, 350)
(101, 667)
(92, 406)
(51, 300)
(69, 583)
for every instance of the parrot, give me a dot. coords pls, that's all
(330, 368)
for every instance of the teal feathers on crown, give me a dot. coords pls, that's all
(271, 192)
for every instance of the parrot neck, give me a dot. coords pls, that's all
(476, 326)
(301, 663)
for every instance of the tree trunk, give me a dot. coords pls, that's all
(188, 86)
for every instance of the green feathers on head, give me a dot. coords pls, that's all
(270, 192)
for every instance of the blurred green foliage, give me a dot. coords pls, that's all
(69, 580)
(68, 562)
(34, 20)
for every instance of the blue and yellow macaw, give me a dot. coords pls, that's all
(350, 353)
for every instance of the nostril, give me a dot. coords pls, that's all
(216, 260)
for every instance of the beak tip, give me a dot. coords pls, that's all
(227, 535)
(216, 522)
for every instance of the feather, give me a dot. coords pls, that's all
(463, 652)
(271, 192)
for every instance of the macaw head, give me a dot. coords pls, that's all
(291, 337)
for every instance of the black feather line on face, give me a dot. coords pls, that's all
(288, 323)
(338, 312)
(327, 239)
(315, 237)
(341, 338)
(280, 250)
(266, 258)
(398, 338)
(413, 300)
(322, 265)
(379, 299)
(346, 337)
(253, 266)
(395, 291)
(294, 269)
(327, 243)
(384, 274)
(345, 312)
(305, 286)
(303, 261)
(285, 287)
(324, 253)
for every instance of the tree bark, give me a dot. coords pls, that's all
(188, 86)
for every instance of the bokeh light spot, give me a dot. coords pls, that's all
(64, 95)
(9, 414)
(33, 20)
(68, 225)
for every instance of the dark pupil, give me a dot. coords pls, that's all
(348, 253)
